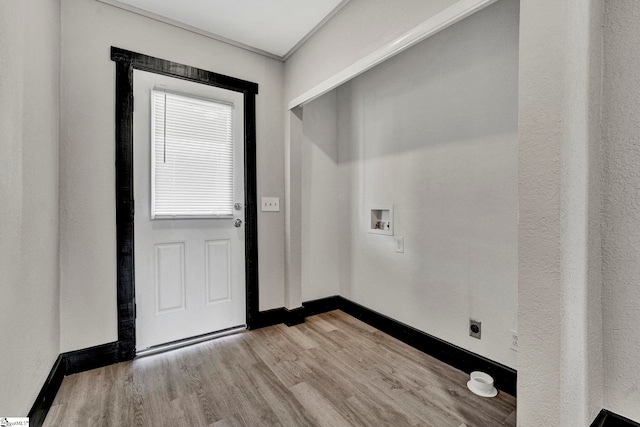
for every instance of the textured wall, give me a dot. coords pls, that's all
(621, 226)
(539, 269)
(594, 338)
(560, 360)
(29, 280)
(581, 359)
(87, 249)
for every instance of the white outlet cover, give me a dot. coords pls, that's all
(399, 245)
(271, 204)
(514, 340)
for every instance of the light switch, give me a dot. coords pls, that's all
(271, 204)
(399, 244)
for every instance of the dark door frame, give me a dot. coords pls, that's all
(126, 61)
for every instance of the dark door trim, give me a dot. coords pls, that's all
(126, 61)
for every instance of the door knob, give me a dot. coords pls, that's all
(237, 223)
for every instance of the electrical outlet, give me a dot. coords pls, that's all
(270, 204)
(514, 340)
(399, 245)
(475, 328)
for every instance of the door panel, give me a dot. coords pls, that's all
(218, 270)
(169, 277)
(189, 273)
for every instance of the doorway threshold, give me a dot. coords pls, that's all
(189, 341)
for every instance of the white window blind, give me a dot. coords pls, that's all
(192, 157)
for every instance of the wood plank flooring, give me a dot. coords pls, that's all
(332, 370)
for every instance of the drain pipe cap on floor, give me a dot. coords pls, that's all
(482, 384)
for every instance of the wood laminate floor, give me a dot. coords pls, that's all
(333, 370)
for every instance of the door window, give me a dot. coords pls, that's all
(191, 157)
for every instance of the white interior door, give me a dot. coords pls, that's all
(189, 268)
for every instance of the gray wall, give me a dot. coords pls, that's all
(87, 174)
(29, 280)
(560, 368)
(361, 27)
(563, 325)
(433, 131)
(621, 208)
(321, 216)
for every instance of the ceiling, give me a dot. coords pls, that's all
(275, 27)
